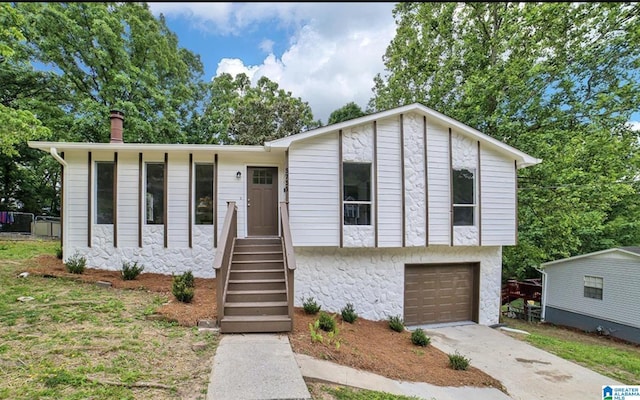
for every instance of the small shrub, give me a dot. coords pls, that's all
(349, 314)
(59, 252)
(183, 287)
(396, 323)
(131, 271)
(76, 263)
(458, 361)
(310, 306)
(419, 338)
(326, 322)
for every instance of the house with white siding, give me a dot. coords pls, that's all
(595, 292)
(402, 212)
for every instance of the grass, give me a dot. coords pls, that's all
(347, 393)
(77, 341)
(617, 360)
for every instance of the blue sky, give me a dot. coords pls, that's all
(325, 53)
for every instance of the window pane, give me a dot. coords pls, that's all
(463, 216)
(104, 192)
(593, 293)
(357, 182)
(155, 193)
(357, 214)
(204, 194)
(463, 187)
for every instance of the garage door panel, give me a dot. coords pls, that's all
(439, 293)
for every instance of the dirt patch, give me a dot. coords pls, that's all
(365, 345)
(203, 306)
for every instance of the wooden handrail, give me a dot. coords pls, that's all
(224, 253)
(286, 235)
(289, 257)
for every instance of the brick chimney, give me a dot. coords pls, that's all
(117, 118)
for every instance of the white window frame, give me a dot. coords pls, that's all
(593, 282)
(473, 205)
(358, 202)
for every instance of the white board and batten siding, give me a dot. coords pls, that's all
(128, 212)
(621, 280)
(389, 193)
(76, 182)
(314, 204)
(498, 206)
(178, 200)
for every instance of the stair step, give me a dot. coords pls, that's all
(256, 284)
(255, 324)
(256, 295)
(266, 240)
(258, 247)
(256, 308)
(257, 264)
(256, 255)
(253, 274)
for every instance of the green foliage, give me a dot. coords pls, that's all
(349, 111)
(541, 78)
(396, 323)
(183, 287)
(458, 361)
(349, 314)
(59, 252)
(76, 263)
(419, 338)
(131, 271)
(327, 322)
(348, 393)
(235, 112)
(310, 306)
(332, 338)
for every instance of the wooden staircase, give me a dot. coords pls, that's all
(255, 296)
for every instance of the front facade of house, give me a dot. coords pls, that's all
(595, 292)
(403, 212)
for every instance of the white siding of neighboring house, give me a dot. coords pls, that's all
(389, 191)
(621, 280)
(498, 186)
(314, 206)
(439, 191)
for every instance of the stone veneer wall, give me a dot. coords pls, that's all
(153, 255)
(465, 155)
(373, 279)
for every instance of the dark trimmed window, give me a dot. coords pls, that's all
(104, 192)
(356, 178)
(204, 194)
(464, 199)
(154, 210)
(593, 286)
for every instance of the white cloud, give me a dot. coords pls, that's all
(334, 51)
(634, 126)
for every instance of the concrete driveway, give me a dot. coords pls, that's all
(526, 372)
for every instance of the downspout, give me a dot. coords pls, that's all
(544, 293)
(54, 153)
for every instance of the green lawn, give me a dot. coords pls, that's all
(337, 392)
(620, 361)
(78, 341)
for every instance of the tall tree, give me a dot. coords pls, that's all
(349, 111)
(235, 112)
(556, 80)
(115, 55)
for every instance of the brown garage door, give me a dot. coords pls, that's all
(437, 293)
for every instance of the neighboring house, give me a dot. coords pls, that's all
(596, 292)
(403, 212)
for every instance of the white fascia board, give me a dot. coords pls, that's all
(141, 147)
(613, 250)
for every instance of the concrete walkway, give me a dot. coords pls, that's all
(256, 367)
(329, 372)
(525, 371)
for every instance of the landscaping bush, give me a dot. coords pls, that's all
(458, 361)
(59, 252)
(183, 287)
(419, 338)
(396, 323)
(131, 271)
(76, 263)
(326, 322)
(310, 306)
(349, 314)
